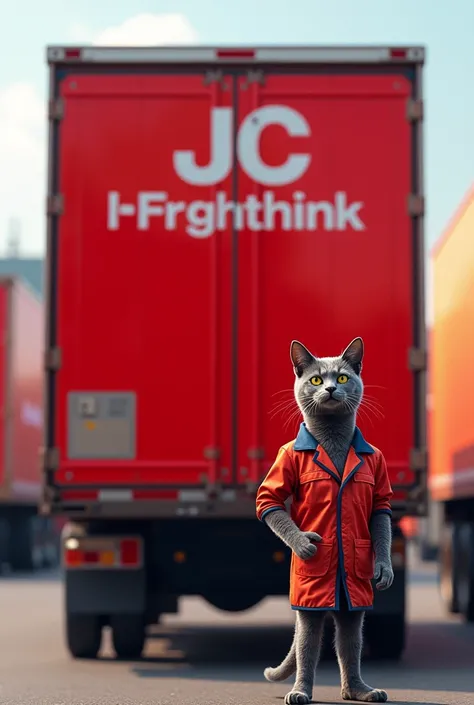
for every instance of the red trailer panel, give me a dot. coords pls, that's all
(27, 357)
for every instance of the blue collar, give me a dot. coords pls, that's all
(306, 441)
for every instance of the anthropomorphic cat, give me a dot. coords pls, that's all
(340, 517)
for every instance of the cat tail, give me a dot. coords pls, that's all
(286, 668)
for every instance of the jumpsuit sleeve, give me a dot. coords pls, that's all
(383, 489)
(277, 486)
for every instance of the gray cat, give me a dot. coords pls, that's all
(329, 391)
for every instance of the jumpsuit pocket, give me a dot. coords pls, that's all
(364, 485)
(318, 565)
(363, 559)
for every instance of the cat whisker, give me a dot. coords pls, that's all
(280, 412)
(374, 411)
(284, 391)
(365, 417)
(283, 405)
(292, 418)
(372, 400)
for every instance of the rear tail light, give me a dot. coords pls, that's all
(72, 53)
(103, 552)
(398, 53)
(73, 557)
(130, 552)
(235, 53)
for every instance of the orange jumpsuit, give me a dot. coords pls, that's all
(338, 509)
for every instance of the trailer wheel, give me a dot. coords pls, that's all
(128, 635)
(83, 635)
(448, 567)
(24, 554)
(466, 571)
(385, 637)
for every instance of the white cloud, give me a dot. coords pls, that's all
(148, 30)
(23, 126)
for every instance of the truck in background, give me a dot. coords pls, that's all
(451, 438)
(244, 197)
(27, 540)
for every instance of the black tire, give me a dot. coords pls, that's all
(22, 543)
(128, 635)
(385, 636)
(83, 635)
(448, 567)
(465, 587)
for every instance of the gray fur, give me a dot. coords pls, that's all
(329, 411)
(348, 643)
(285, 528)
(308, 633)
(381, 533)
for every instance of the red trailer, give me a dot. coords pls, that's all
(211, 205)
(26, 540)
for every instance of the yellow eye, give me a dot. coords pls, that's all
(342, 379)
(316, 381)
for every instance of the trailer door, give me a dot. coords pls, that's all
(140, 291)
(328, 255)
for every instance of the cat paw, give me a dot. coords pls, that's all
(296, 697)
(366, 695)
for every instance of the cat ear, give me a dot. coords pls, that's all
(353, 354)
(301, 358)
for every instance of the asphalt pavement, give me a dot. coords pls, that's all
(204, 657)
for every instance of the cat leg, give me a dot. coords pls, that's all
(348, 644)
(308, 637)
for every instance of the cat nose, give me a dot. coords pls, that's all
(331, 389)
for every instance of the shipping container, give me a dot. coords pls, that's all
(451, 438)
(239, 198)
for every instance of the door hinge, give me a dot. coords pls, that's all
(50, 459)
(253, 76)
(256, 453)
(215, 77)
(56, 109)
(416, 205)
(53, 359)
(55, 204)
(414, 110)
(418, 459)
(417, 359)
(212, 453)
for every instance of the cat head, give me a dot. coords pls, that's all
(328, 385)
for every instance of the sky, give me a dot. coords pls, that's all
(27, 26)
